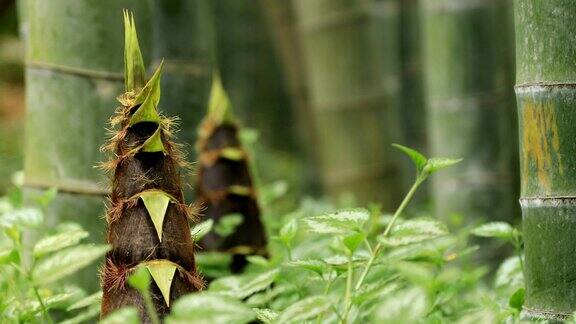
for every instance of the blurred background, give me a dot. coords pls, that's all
(322, 89)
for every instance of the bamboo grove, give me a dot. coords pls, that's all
(147, 217)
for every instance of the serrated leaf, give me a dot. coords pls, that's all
(436, 164)
(201, 229)
(340, 222)
(162, 272)
(418, 274)
(233, 153)
(304, 309)
(265, 315)
(134, 70)
(219, 107)
(148, 99)
(31, 307)
(58, 242)
(156, 203)
(93, 299)
(501, 230)
(84, 316)
(317, 266)
(510, 273)
(414, 231)
(207, 308)
(125, 315)
(417, 158)
(68, 261)
(288, 232)
(153, 143)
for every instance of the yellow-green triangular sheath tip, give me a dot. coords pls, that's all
(153, 143)
(156, 203)
(134, 70)
(219, 107)
(148, 98)
(162, 271)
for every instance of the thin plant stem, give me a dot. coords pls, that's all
(399, 211)
(348, 294)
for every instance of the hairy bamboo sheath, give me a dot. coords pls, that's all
(224, 182)
(147, 218)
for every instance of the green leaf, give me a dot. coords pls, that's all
(83, 317)
(258, 260)
(405, 306)
(47, 196)
(265, 315)
(153, 143)
(66, 262)
(288, 232)
(25, 217)
(241, 287)
(304, 309)
(517, 299)
(353, 241)
(125, 315)
(58, 242)
(416, 157)
(340, 222)
(509, 274)
(314, 265)
(436, 164)
(156, 203)
(9, 256)
(228, 224)
(414, 231)
(208, 308)
(134, 70)
(148, 99)
(162, 272)
(201, 229)
(501, 230)
(140, 279)
(416, 273)
(93, 299)
(219, 107)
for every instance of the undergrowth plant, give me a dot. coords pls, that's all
(35, 262)
(147, 218)
(358, 265)
(225, 186)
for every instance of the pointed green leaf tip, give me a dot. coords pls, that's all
(148, 98)
(134, 71)
(162, 272)
(156, 203)
(219, 107)
(153, 143)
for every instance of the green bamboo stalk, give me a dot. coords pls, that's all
(354, 123)
(184, 37)
(147, 219)
(282, 21)
(468, 68)
(73, 72)
(225, 185)
(412, 109)
(252, 75)
(546, 95)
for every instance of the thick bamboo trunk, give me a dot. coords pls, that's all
(354, 123)
(252, 75)
(73, 73)
(183, 37)
(468, 68)
(546, 94)
(281, 18)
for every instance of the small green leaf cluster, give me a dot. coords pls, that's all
(34, 263)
